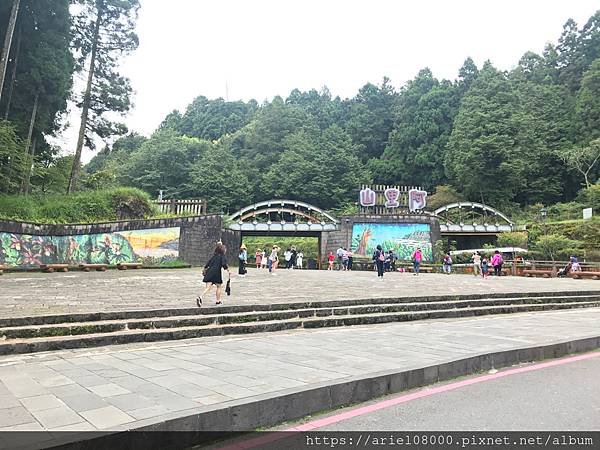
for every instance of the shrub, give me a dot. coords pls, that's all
(83, 207)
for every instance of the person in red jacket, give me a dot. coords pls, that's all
(330, 260)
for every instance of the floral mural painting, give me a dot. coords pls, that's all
(151, 247)
(402, 238)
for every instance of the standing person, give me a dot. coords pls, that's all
(447, 265)
(497, 262)
(340, 253)
(485, 268)
(273, 260)
(345, 259)
(212, 274)
(417, 257)
(243, 258)
(264, 260)
(575, 267)
(287, 255)
(258, 257)
(387, 263)
(476, 258)
(330, 260)
(379, 259)
(299, 258)
(350, 259)
(293, 258)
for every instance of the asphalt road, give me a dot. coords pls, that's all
(561, 395)
(565, 397)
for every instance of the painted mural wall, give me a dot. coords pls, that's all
(151, 247)
(402, 238)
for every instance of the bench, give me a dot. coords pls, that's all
(49, 268)
(579, 275)
(97, 267)
(423, 269)
(362, 264)
(535, 273)
(125, 266)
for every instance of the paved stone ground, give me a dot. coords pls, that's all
(117, 387)
(25, 294)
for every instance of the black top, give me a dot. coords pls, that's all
(213, 272)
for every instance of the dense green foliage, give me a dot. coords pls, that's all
(36, 88)
(84, 207)
(307, 245)
(510, 139)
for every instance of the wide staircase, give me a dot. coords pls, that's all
(37, 334)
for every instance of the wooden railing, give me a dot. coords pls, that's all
(180, 207)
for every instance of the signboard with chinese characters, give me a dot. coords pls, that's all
(417, 200)
(382, 199)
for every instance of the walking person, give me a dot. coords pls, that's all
(447, 264)
(213, 275)
(379, 259)
(273, 260)
(417, 257)
(476, 258)
(485, 268)
(258, 257)
(330, 261)
(350, 259)
(497, 262)
(243, 259)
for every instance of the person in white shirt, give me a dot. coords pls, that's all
(476, 258)
(299, 260)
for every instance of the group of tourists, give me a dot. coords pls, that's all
(294, 259)
(345, 259)
(481, 265)
(386, 261)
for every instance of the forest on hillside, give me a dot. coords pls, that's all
(520, 137)
(47, 45)
(512, 139)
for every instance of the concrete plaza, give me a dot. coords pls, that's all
(27, 294)
(130, 386)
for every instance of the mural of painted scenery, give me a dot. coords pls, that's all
(151, 247)
(402, 238)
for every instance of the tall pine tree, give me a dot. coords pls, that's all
(104, 32)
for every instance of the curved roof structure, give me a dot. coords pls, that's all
(283, 215)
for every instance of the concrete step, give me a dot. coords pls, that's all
(108, 326)
(210, 310)
(39, 344)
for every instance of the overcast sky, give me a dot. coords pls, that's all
(257, 49)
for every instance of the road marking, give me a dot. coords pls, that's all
(426, 392)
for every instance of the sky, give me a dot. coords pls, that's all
(257, 49)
